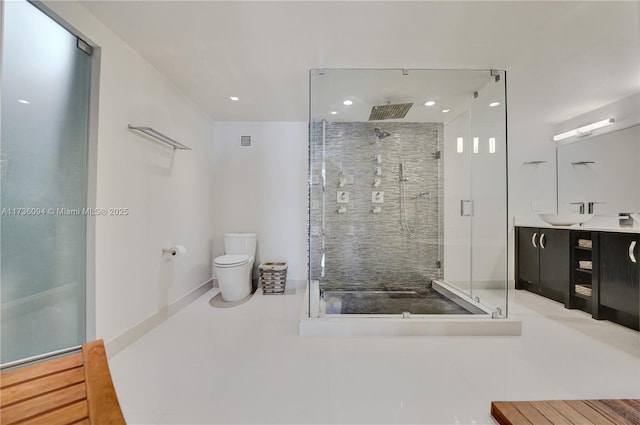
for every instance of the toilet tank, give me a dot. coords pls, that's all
(240, 243)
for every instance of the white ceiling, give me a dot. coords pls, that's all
(452, 90)
(562, 58)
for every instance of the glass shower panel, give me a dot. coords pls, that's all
(489, 188)
(44, 121)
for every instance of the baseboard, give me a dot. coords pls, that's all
(131, 335)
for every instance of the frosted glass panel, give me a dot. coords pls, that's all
(45, 95)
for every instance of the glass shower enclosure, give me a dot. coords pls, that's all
(407, 193)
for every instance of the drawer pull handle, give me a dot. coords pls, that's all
(542, 238)
(533, 240)
(632, 256)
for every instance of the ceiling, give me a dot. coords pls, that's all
(367, 89)
(562, 58)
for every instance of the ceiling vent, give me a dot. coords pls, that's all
(245, 141)
(389, 111)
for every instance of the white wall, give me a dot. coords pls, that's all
(263, 189)
(168, 193)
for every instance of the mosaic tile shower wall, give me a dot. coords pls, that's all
(374, 250)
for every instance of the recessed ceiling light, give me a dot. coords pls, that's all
(429, 103)
(492, 104)
(334, 113)
(347, 102)
(234, 98)
(26, 102)
(445, 110)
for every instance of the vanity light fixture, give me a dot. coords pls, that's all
(234, 98)
(585, 130)
(347, 102)
(429, 103)
(460, 146)
(492, 104)
(475, 144)
(596, 125)
(492, 145)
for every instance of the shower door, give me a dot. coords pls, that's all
(476, 196)
(44, 121)
(488, 164)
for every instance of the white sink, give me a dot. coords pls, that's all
(566, 219)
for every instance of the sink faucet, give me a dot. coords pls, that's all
(581, 206)
(590, 206)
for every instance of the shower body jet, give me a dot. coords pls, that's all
(381, 134)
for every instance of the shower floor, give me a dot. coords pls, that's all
(413, 300)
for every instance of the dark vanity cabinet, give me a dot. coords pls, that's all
(619, 281)
(542, 263)
(594, 271)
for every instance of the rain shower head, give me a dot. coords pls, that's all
(389, 111)
(381, 134)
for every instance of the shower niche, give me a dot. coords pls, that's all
(407, 194)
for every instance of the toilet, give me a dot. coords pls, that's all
(234, 269)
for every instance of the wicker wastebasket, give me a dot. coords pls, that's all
(273, 276)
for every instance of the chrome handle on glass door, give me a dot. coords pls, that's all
(632, 256)
(533, 240)
(466, 207)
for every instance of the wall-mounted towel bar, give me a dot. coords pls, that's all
(534, 162)
(160, 137)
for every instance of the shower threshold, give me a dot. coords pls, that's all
(350, 313)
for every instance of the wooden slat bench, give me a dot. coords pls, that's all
(73, 389)
(567, 412)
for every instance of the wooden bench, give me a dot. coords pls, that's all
(567, 412)
(75, 388)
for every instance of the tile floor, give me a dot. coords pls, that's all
(247, 365)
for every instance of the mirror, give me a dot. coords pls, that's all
(604, 169)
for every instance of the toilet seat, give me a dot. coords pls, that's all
(231, 260)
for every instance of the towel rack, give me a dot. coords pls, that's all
(534, 162)
(160, 137)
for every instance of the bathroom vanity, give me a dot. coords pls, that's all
(592, 269)
(584, 255)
